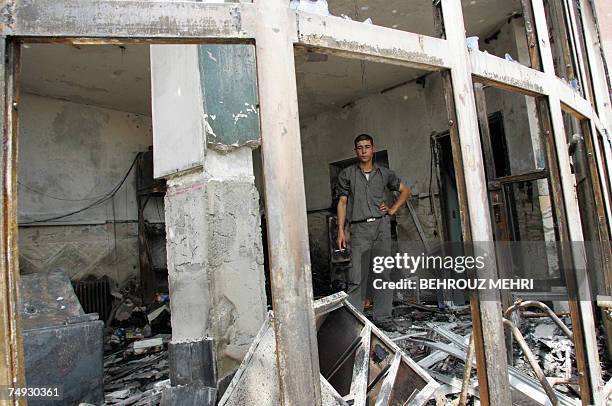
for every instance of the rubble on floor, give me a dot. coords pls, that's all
(552, 349)
(136, 364)
(136, 381)
(438, 340)
(136, 367)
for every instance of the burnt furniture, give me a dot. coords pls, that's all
(63, 346)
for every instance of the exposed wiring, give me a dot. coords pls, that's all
(97, 203)
(33, 190)
(115, 237)
(161, 219)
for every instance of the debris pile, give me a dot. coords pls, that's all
(136, 359)
(137, 380)
(551, 348)
(439, 341)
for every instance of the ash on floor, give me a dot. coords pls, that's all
(137, 380)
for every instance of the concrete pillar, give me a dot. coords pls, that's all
(202, 146)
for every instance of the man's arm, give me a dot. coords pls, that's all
(342, 202)
(405, 194)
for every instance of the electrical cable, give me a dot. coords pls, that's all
(33, 190)
(97, 203)
(161, 219)
(116, 256)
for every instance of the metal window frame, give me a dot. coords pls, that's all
(275, 30)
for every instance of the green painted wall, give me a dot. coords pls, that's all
(229, 87)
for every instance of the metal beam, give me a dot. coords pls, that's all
(478, 205)
(567, 254)
(532, 40)
(12, 371)
(355, 39)
(466, 232)
(576, 42)
(590, 134)
(593, 52)
(602, 170)
(384, 396)
(361, 369)
(603, 119)
(570, 97)
(179, 20)
(560, 32)
(285, 204)
(511, 76)
(606, 159)
(577, 279)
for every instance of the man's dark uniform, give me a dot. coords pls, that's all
(370, 231)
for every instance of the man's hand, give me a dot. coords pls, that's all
(387, 210)
(383, 208)
(341, 240)
(405, 194)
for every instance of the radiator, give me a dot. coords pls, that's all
(94, 296)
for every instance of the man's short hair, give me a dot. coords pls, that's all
(364, 137)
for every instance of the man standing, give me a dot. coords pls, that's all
(362, 189)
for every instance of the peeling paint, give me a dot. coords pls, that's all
(388, 53)
(210, 55)
(208, 128)
(225, 148)
(513, 81)
(238, 116)
(214, 280)
(229, 96)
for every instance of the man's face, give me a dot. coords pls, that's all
(364, 151)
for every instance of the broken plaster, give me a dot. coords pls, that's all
(385, 53)
(225, 148)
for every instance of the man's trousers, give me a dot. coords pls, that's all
(368, 240)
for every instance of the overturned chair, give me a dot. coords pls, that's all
(359, 364)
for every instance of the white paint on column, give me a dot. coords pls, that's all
(179, 129)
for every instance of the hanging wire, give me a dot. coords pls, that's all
(161, 219)
(105, 198)
(33, 190)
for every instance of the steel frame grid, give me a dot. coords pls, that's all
(270, 23)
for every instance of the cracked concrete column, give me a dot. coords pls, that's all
(205, 122)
